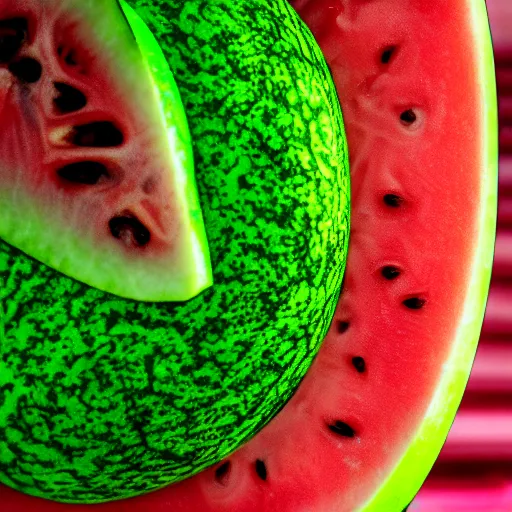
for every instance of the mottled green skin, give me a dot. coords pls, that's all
(102, 398)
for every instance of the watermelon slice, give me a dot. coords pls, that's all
(67, 150)
(416, 82)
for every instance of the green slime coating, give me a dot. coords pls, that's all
(104, 398)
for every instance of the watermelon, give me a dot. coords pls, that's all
(106, 397)
(361, 432)
(67, 194)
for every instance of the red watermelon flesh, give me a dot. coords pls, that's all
(415, 80)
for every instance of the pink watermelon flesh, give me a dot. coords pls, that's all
(405, 73)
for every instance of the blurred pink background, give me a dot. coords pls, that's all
(474, 470)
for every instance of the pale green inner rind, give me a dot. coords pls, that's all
(180, 141)
(76, 251)
(410, 473)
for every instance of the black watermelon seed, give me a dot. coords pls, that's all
(27, 69)
(222, 472)
(386, 55)
(12, 36)
(414, 303)
(359, 364)
(84, 173)
(342, 429)
(390, 272)
(408, 117)
(261, 469)
(343, 327)
(393, 200)
(129, 229)
(70, 59)
(70, 99)
(99, 134)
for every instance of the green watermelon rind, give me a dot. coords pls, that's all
(184, 270)
(406, 479)
(179, 136)
(207, 374)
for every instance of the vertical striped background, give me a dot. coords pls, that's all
(474, 470)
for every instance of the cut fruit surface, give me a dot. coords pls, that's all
(416, 83)
(96, 166)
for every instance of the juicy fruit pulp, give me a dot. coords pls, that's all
(96, 173)
(105, 398)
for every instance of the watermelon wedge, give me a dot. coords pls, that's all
(98, 195)
(416, 83)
